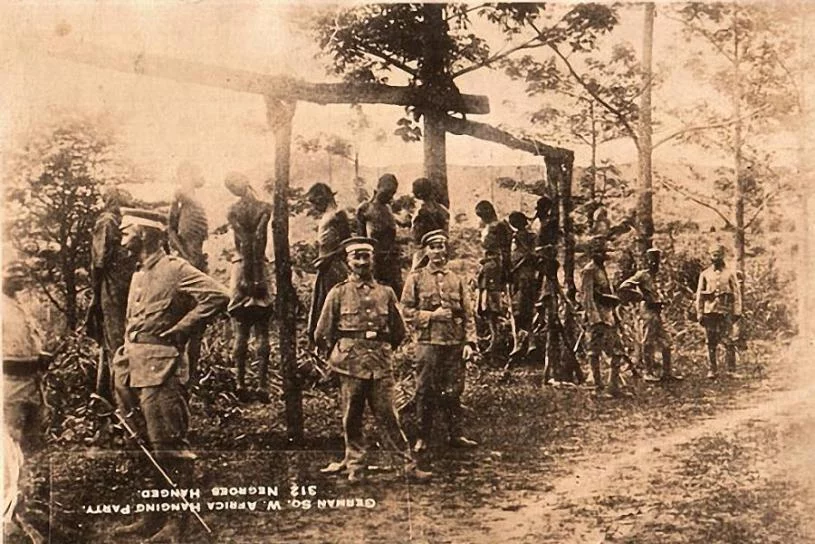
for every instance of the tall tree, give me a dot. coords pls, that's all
(745, 59)
(645, 201)
(52, 191)
(432, 45)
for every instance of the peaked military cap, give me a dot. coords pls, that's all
(144, 218)
(434, 236)
(653, 251)
(358, 243)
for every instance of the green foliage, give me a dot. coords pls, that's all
(52, 200)
(433, 44)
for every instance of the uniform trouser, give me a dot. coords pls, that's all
(654, 338)
(378, 394)
(604, 338)
(719, 330)
(242, 326)
(166, 418)
(22, 410)
(439, 386)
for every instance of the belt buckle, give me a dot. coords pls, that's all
(370, 335)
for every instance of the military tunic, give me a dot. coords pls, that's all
(440, 342)
(654, 335)
(22, 397)
(718, 302)
(361, 325)
(603, 335)
(166, 293)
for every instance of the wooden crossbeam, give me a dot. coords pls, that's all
(280, 87)
(489, 133)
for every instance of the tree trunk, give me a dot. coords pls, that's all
(279, 115)
(593, 188)
(645, 202)
(566, 206)
(738, 200)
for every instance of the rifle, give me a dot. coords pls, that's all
(110, 410)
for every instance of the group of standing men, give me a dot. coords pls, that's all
(154, 306)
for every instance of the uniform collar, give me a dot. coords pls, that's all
(151, 261)
(436, 269)
(359, 282)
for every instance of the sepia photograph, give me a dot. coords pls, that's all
(304, 271)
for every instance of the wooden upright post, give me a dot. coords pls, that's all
(279, 115)
(435, 155)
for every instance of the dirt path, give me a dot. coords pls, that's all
(747, 474)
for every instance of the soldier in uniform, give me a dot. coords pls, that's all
(252, 300)
(718, 306)
(523, 275)
(24, 362)
(333, 229)
(493, 275)
(188, 230)
(360, 326)
(599, 304)
(644, 283)
(376, 220)
(112, 267)
(168, 299)
(431, 215)
(437, 305)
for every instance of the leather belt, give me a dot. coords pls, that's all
(147, 338)
(23, 366)
(375, 336)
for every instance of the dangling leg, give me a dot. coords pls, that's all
(240, 348)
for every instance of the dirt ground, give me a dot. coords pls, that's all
(725, 461)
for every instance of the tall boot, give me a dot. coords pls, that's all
(144, 525)
(174, 525)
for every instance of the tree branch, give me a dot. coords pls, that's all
(389, 58)
(530, 44)
(48, 294)
(692, 198)
(769, 198)
(702, 32)
(611, 109)
(711, 126)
